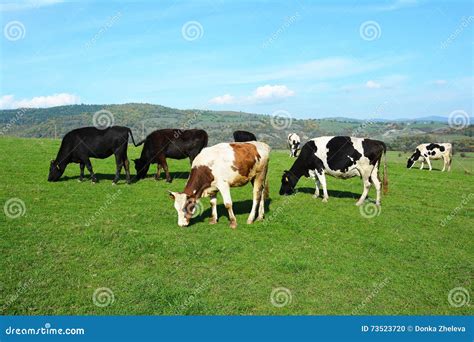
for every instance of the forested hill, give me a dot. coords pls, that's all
(144, 118)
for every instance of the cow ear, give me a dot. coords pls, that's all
(172, 194)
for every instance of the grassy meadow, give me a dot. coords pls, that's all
(76, 239)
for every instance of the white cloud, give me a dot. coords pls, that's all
(373, 85)
(270, 93)
(9, 101)
(440, 82)
(26, 4)
(263, 94)
(224, 99)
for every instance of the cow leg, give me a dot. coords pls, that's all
(225, 191)
(89, 168)
(213, 200)
(81, 176)
(162, 160)
(366, 181)
(316, 190)
(126, 164)
(119, 164)
(422, 164)
(263, 188)
(158, 171)
(428, 162)
(257, 196)
(374, 178)
(322, 180)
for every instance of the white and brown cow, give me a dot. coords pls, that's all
(294, 142)
(340, 157)
(218, 168)
(425, 152)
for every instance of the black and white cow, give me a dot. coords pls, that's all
(425, 152)
(340, 157)
(294, 143)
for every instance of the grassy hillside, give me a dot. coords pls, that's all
(78, 238)
(144, 118)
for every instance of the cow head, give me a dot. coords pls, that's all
(414, 157)
(288, 183)
(55, 171)
(185, 206)
(141, 167)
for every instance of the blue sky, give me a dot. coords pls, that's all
(387, 59)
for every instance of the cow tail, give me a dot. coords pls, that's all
(133, 140)
(385, 174)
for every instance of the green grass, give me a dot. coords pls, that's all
(332, 259)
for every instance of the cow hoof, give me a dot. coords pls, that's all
(315, 196)
(114, 183)
(233, 225)
(377, 204)
(249, 221)
(169, 180)
(212, 221)
(260, 218)
(325, 200)
(359, 203)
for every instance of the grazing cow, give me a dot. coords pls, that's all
(294, 142)
(218, 168)
(340, 157)
(425, 152)
(169, 143)
(81, 144)
(243, 136)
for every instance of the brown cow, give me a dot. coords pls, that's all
(218, 168)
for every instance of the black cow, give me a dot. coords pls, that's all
(169, 143)
(340, 157)
(81, 144)
(243, 136)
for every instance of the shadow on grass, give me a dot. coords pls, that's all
(241, 207)
(331, 193)
(133, 178)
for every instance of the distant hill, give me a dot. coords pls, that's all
(145, 118)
